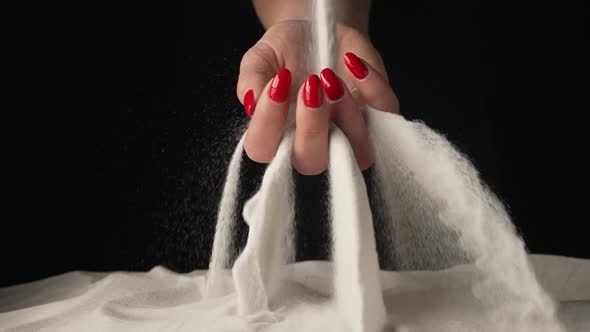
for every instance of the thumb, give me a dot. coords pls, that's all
(259, 65)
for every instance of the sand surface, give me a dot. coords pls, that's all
(161, 300)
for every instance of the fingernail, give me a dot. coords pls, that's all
(279, 88)
(249, 103)
(355, 65)
(331, 84)
(312, 94)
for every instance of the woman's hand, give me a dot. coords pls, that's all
(273, 74)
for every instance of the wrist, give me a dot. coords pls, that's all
(271, 13)
(351, 13)
(355, 14)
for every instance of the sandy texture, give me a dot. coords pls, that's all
(161, 300)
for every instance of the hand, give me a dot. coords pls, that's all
(266, 87)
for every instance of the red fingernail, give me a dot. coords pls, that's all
(312, 94)
(279, 88)
(356, 66)
(331, 84)
(249, 103)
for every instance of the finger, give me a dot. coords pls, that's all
(371, 85)
(257, 67)
(310, 145)
(347, 115)
(268, 122)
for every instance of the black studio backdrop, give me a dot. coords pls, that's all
(130, 178)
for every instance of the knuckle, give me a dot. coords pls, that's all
(308, 165)
(313, 133)
(257, 66)
(259, 153)
(306, 169)
(261, 55)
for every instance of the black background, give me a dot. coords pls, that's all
(129, 113)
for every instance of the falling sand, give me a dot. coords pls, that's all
(438, 213)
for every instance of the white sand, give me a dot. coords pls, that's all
(439, 215)
(161, 300)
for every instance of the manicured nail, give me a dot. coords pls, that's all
(249, 103)
(312, 93)
(356, 66)
(279, 88)
(331, 84)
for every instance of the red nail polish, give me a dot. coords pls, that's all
(356, 66)
(249, 103)
(312, 94)
(331, 84)
(279, 88)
